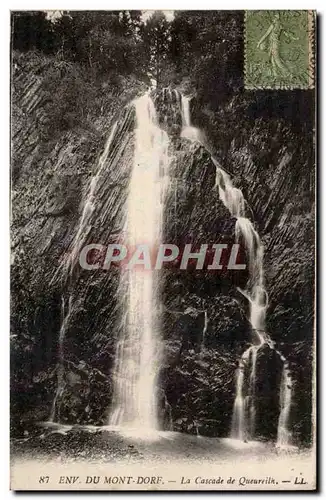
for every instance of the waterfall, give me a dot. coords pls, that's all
(231, 196)
(284, 435)
(89, 206)
(138, 351)
(204, 331)
(238, 418)
(65, 316)
(188, 131)
(205, 325)
(244, 410)
(233, 200)
(185, 107)
(135, 398)
(67, 266)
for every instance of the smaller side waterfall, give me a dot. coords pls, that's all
(231, 196)
(203, 338)
(185, 104)
(244, 411)
(238, 416)
(205, 325)
(188, 131)
(67, 266)
(65, 317)
(250, 402)
(284, 436)
(89, 205)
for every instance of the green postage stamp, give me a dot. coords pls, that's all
(279, 49)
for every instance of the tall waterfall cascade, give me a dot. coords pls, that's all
(244, 410)
(138, 351)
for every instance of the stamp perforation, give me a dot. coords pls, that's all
(279, 49)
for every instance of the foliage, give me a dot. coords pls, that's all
(207, 47)
(157, 38)
(82, 59)
(103, 41)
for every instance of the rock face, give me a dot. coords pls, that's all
(269, 372)
(204, 325)
(49, 192)
(169, 110)
(272, 160)
(285, 212)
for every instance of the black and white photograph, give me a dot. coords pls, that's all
(163, 250)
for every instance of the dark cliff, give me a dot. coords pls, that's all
(51, 178)
(268, 149)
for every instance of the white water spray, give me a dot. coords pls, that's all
(138, 352)
(65, 317)
(284, 435)
(185, 105)
(188, 131)
(89, 206)
(68, 265)
(205, 325)
(204, 332)
(244, 410)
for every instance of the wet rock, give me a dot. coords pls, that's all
(52, 176)
(267, 402)
(169, 111)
